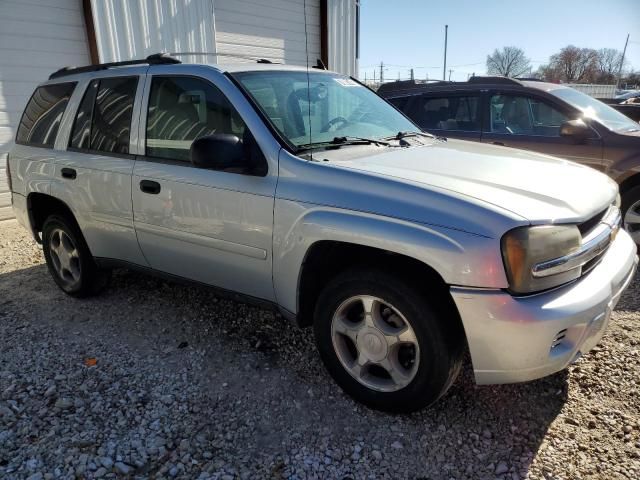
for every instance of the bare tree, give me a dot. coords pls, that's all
(508, 62)
(608, 63)
(572, 64)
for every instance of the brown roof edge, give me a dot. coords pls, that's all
(324, 33)
(91, 32)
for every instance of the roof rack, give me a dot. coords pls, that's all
(155, 59)
(408, 85)
(494, 80)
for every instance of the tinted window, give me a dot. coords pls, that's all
(524, 116)
(447, 113)
(182, 109)
(103, 120)
(112, 112)
(41, 118)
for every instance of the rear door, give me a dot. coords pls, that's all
(212, 226)
(531, 122)
(454, 115)
(93, 172)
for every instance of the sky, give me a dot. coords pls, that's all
(406, 33)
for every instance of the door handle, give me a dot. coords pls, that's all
(69, 173)
(149, 186)
(498, 143)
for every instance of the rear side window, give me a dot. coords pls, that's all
(103, 120)
(42, 116)
(447, 113)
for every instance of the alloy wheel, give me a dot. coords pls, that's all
(64, 257)
(375, 343)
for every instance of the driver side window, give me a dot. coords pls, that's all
(520, 115)
(182, 109)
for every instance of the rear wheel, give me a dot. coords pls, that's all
(384, 343)
(631, 212)
(68, 258)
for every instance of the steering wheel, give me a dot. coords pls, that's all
(334, 121)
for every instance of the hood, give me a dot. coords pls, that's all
(540, 188)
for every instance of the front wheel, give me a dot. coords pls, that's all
(384, 343)
(631, 213)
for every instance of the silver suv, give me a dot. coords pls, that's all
(303, 190)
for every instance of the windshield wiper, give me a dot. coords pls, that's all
(338, 142)
(401, 135)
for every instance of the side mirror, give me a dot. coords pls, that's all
(218, 152)
(576, 129)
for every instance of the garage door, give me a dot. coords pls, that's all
(36, 38)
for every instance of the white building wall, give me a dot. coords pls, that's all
(237, 30)
(37, 37)
(128, 29)
(271, 29)
(342, 36)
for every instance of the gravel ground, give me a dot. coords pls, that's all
(153, 379)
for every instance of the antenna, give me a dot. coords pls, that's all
(306, 49)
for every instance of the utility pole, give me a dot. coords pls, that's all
(444, 69)
(624, 52)
(450, 72)
(374, 75)
(381, 72)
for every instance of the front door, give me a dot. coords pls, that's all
(212, 226)
(532, 123)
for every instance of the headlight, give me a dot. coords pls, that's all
(525, 247)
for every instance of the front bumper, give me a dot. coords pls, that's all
(515, 339)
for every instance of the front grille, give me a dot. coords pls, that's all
(610, 218)
(588, 225)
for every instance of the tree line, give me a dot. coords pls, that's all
(571, 65)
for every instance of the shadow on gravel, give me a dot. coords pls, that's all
(477, 432)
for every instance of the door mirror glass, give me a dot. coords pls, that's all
(575, 128)
(218, 151)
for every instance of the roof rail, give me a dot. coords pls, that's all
(155, 59)
(494, 80)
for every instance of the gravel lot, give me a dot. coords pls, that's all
(153, 379)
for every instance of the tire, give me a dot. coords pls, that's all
(631, 212)
(423, 372)
(69, 260)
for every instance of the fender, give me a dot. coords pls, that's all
(460, 258)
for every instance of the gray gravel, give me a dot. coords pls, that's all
(187, 385)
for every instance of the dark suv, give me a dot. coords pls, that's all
(532, 115)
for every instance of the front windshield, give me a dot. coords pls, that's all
(317, 109)
(593, 108)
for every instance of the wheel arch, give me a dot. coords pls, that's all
(628, 183)
(40, 206)
(327, 258)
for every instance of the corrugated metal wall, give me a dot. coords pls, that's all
(37, 37)
(342, 36)
(127, 29)
(272, 29)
